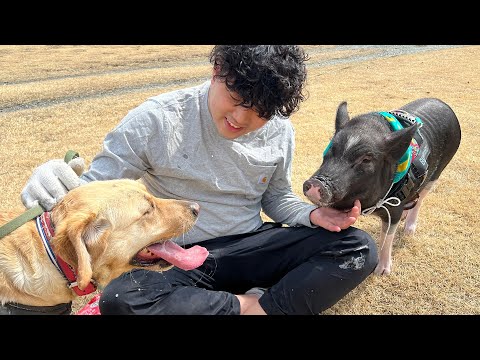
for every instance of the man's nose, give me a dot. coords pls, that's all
(242, 115)
(237, 116)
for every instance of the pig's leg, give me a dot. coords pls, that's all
(412, 215)
(384, 266)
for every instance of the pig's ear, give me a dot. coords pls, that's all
(397, 142)
(342, 116)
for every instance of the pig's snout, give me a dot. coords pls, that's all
(316, 189)
(314, 181)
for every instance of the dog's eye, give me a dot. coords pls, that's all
(150, 209)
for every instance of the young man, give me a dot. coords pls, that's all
(228, 145)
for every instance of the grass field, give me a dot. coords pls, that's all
(55, 98)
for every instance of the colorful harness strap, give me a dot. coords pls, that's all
(405, 161)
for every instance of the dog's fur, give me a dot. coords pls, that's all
(100, 228)
(363, 158)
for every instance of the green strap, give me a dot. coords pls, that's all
(20, 220)
(70, 155)
(34, 211)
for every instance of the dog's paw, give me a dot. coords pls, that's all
(383, 269)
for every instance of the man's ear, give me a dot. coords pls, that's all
(214, 73)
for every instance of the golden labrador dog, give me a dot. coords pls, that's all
(95, 233)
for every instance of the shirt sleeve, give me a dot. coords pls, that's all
(125, 148)
(279, 202)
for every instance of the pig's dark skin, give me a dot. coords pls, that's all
(363, 156)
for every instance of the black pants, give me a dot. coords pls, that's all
(305, 270)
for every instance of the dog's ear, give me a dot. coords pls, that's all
(88, 243)
(82, 238)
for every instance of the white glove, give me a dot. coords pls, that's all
(51, 181)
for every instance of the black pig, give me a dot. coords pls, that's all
(387, 160)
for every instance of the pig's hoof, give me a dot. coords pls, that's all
(382, 269)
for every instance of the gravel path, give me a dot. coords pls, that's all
(382, 51)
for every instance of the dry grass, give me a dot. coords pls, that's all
(73, 95)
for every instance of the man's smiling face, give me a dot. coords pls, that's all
(231, 119)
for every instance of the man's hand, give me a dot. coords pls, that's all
(335, 220)
(51, 181)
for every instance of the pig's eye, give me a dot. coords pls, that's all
(367, 159)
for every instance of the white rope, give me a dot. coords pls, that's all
(392, 201)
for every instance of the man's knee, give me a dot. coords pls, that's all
(142, 292)
(133, 293)
(366, 250)
(114, 299)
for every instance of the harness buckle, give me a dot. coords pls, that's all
(409, 118)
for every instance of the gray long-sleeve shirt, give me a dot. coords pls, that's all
(171, 143)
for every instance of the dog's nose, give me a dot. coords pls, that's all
(195, 209)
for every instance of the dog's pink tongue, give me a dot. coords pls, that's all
(186, 259)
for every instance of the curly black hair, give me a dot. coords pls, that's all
(268, 78)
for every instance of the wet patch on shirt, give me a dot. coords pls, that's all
(355, 263)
